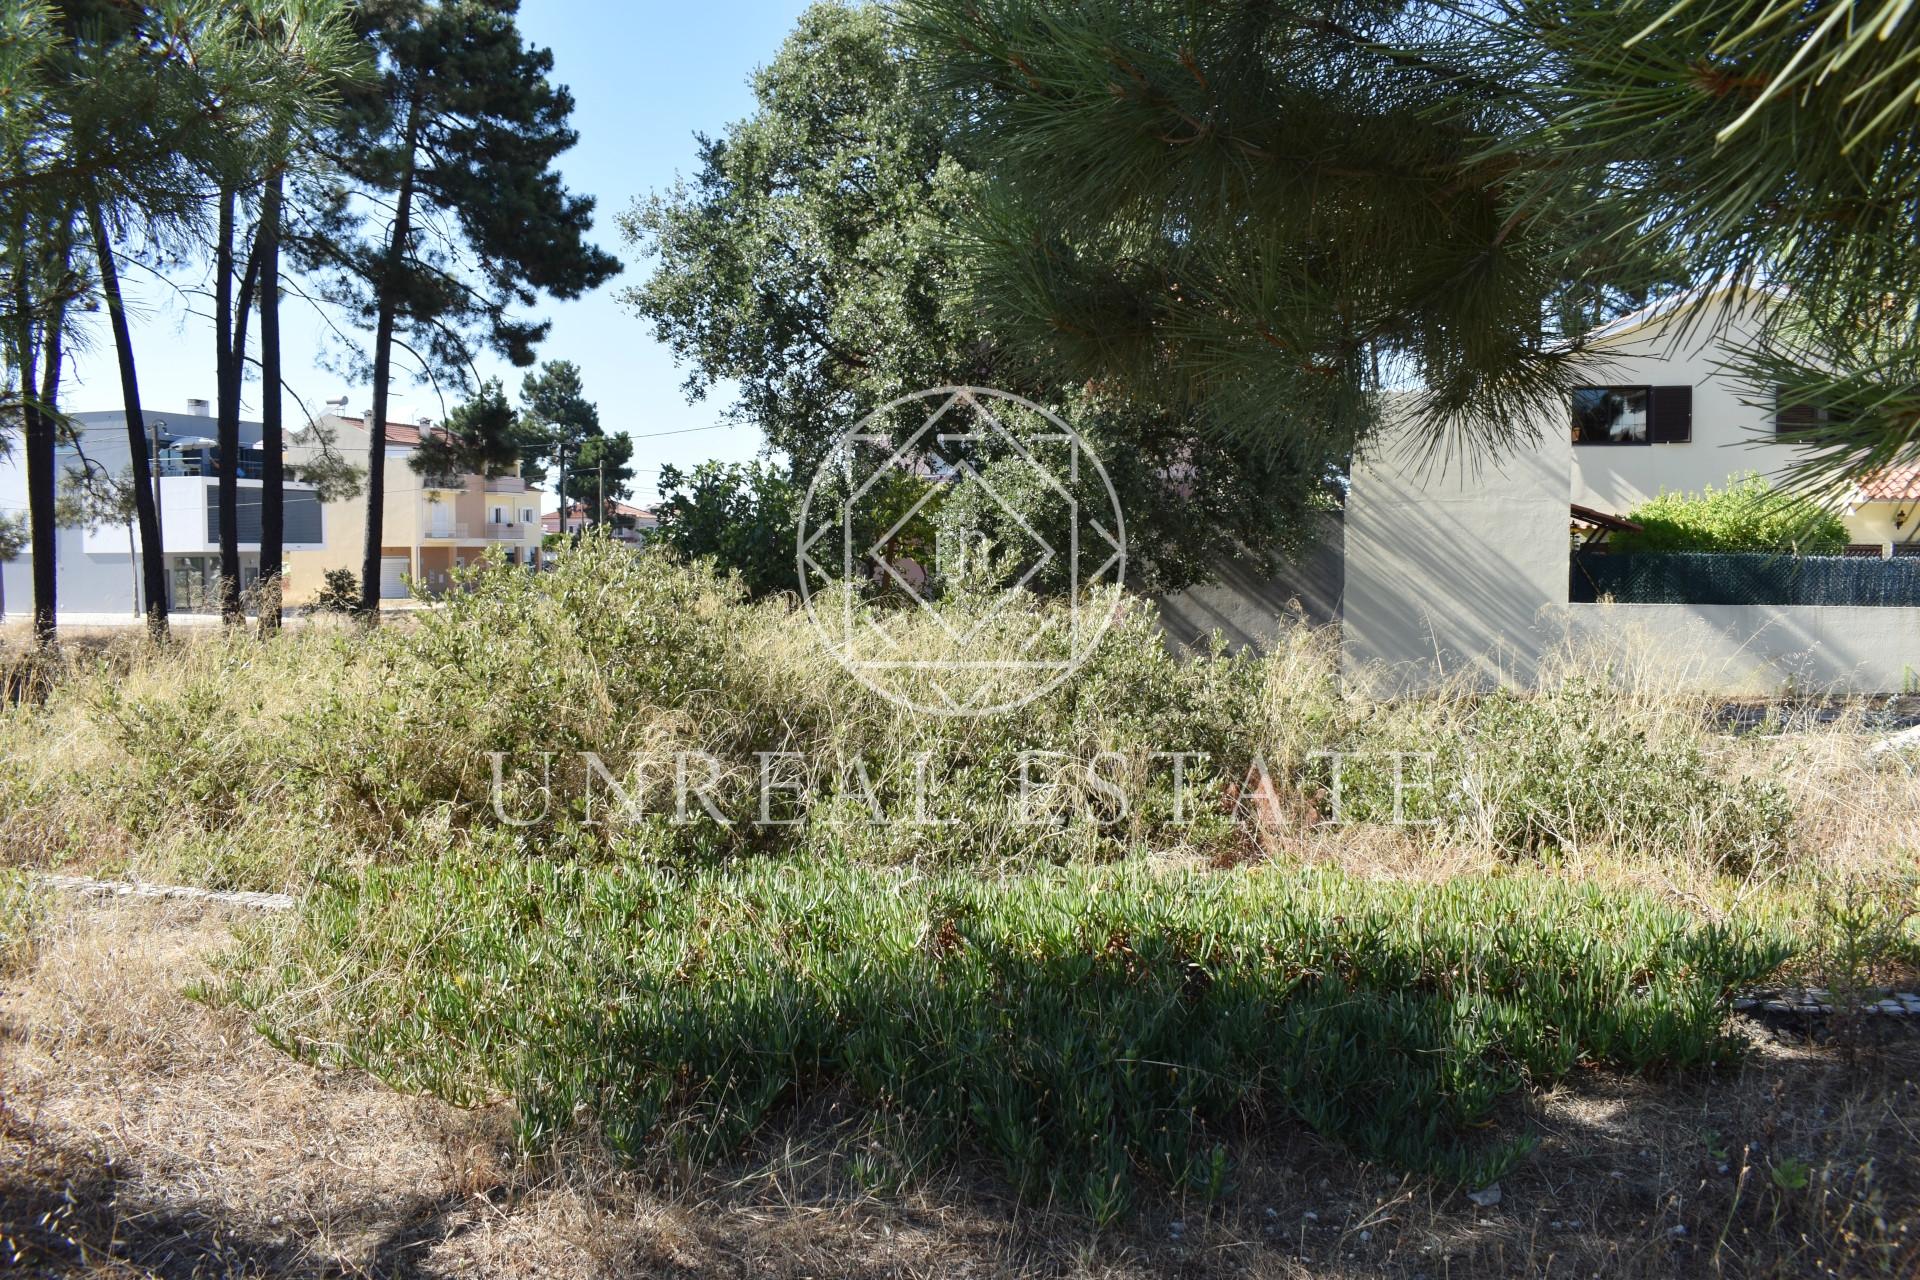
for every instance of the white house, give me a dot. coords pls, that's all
(1662, 415)
(99, 570)
(1468, 569)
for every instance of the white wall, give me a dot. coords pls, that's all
(1754, 649)
(1452, 570)
(1730, 438)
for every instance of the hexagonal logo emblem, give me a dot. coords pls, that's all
(961, 551)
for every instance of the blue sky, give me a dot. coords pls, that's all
(645, 76)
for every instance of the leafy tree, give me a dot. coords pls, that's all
(741, 516)
(816, 262)
(456, 134)
(807, 261)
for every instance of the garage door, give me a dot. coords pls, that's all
(393, 577)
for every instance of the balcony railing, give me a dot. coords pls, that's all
(506, 531)
(445, 531)
(206, 462)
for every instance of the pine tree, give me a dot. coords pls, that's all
(457, 132)
(1778, 141)
(1279, 210)
(480, 437)
(556, 421)
(1271, 212)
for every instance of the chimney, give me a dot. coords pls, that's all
(199, 409)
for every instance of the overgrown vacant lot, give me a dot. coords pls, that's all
(758, 973)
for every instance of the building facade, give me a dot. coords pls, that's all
(1662, 416)
(1464, 572)
(99, 555)
(430, 526)
(631, 525)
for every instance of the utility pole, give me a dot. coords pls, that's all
(600, 512)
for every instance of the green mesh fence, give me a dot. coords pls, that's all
(1685, 577)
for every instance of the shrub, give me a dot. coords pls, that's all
(254, 763)
(1747, 515)
(1570, 765)
(1082, 1027)
(22, 917)
(339, 593)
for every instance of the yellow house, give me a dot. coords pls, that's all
(1884, 509)
(426, 530)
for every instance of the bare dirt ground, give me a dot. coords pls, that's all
(143, 1134)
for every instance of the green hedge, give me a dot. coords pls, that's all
(1747, 515)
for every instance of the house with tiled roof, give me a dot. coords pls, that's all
(1884, 508)
(430, 526)
(626, 523)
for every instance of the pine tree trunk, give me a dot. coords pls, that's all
(227, 431)
(37, 439)
(389, 302)
(273, 492)
(153, 563)
(42, 480)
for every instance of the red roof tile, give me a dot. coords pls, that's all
(1894, 484)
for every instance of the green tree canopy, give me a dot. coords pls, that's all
(816, 261)
(740, 516)
(1275, 211)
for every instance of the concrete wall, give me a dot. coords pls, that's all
(1752, 648)
(1454, 571)
(1248, 603)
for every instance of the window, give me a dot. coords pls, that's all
(526, 515)
(1610, 415)
(499, 515)
(1788, 418)
(1632, 415)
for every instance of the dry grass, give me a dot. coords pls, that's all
(143, 1134)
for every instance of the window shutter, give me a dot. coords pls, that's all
(1670, 415)
(1792, 417)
